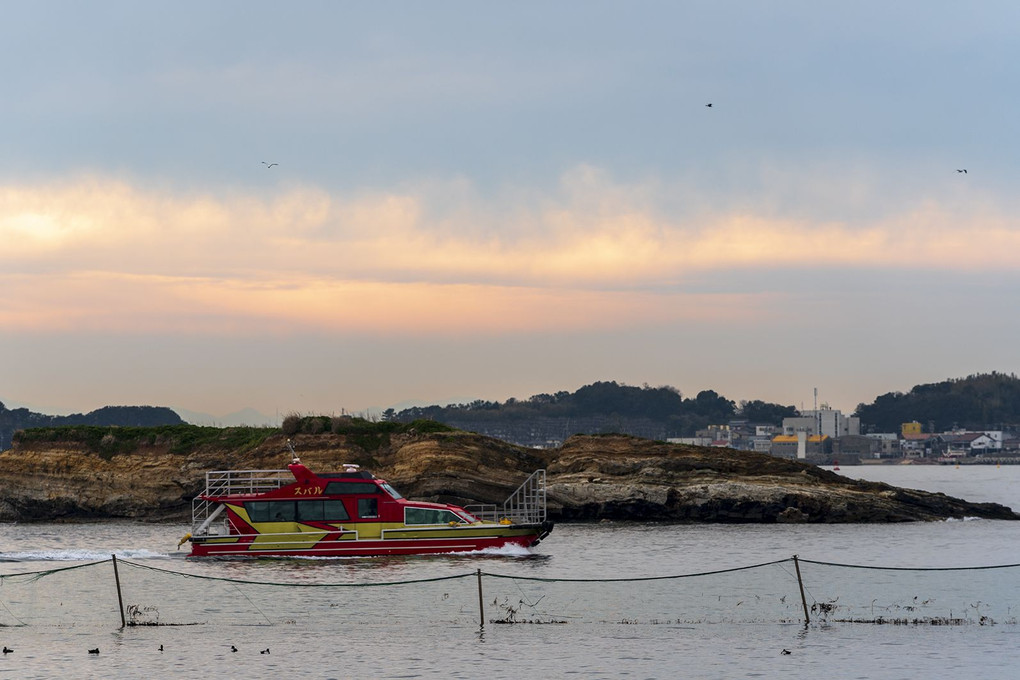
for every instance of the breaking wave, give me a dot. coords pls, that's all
(509, 550)
(965, 519)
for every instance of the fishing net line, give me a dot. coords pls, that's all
(754, 594)
(892, 595)
(155, 596)
(151, 595)
(65, 596)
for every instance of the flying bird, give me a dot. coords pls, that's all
(964, 171)
(709, 105)
(269, 165)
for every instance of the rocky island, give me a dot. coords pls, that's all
(152, 474)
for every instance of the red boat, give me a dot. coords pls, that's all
(297, 513)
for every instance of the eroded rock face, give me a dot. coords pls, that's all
(589, 478)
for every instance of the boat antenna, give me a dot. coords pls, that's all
(295, 460)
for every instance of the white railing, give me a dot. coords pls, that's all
(233, 482)
(526, 505)
(228, 483)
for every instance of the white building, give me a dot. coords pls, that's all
(824, 421)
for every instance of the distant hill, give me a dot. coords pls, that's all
(977, 402)
(125, 416)
(602, 407)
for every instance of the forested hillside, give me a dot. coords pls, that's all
(983, 401)
(977, 402)
(134, 416)
(651, 412)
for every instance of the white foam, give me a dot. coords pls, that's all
(76, 555)
(508, 550)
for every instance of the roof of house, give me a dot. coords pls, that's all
(792, 438)
(963, 437)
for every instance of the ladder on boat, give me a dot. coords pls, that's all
(232, 483)
(526, 505)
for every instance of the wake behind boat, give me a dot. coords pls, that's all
(298, 513)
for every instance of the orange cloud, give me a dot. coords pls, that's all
(96, 253)
(132, 304)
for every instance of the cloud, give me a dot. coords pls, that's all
(102, 254)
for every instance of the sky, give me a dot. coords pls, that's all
(491, 200)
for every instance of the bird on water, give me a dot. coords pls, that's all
(94, 651)
(7, 650)
(233, 648)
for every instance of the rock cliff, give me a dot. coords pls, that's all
(588, 478)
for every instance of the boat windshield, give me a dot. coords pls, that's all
(390, 490)
(430, 516)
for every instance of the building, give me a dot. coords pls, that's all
(801, 445)
(824, 421)
(971, 443)
(856, 445)
(912, 427)
(888, 444)
(924, 445)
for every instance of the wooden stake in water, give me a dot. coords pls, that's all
(800, 582)
(481, 607)
(120, 599)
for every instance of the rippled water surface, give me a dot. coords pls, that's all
(332, 618)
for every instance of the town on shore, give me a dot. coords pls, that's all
(827, 437)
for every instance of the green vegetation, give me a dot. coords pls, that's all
(977, 402)
(111, 441)
(653, 412)
(350, 425)
(180, 439)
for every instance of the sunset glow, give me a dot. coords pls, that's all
(536, 218)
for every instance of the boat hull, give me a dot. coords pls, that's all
(347, 544)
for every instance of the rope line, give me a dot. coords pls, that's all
(865, 566)
(640, 578)
(34, 575)
(46, 572)
(297, 585)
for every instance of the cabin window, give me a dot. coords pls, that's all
(390, 490)
(257, 511)
(281, 511)
(321, 511)
(368, 507)
(335, 488)
(302, 511)
(430, 516)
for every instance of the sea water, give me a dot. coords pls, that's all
(569, 608)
